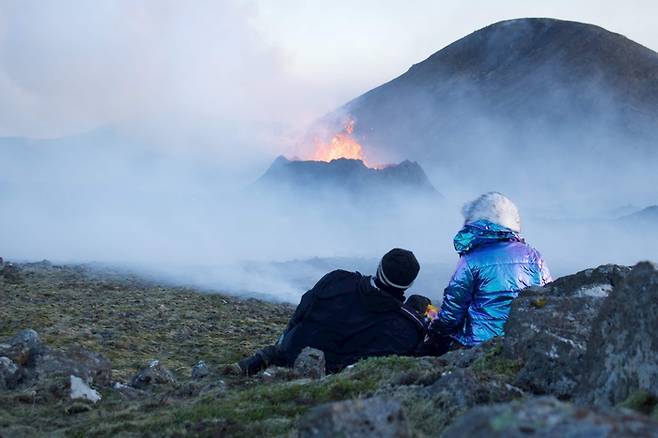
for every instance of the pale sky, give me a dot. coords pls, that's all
(235, 71)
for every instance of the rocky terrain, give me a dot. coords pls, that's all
(91, 352)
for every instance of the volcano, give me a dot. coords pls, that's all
(523, 104)
(347, 177)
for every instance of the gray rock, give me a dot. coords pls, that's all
(310, 363)
(20, 347)
(622, 354)
(200, 370)
(373, 417)
(548, 329)
(155, 373)
(27, 337)
(461, 389)
(90, 366)
(548, 417)
(9, 373)
(465, 357)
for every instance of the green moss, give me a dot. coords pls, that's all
(494, 363)
(641, 401)
(539, 303)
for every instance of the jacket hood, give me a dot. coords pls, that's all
(483, 232)
(493, 207)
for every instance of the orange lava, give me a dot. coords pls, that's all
(341, 145)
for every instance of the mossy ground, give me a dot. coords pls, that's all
(132, 322)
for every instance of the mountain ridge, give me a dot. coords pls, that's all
(546, 94)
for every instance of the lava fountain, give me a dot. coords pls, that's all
(341, 145)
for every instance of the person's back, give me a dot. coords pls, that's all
(349, 318)
(495, 265)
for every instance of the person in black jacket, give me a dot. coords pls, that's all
(350, 316)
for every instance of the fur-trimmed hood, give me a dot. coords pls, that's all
(493, 207)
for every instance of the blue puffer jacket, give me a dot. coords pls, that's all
(495, 265)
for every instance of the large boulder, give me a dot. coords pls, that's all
(548, 329)
(90, 366)
(375, 416)
(548, 417)
(622, 354)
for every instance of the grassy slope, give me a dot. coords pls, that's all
(132, 322)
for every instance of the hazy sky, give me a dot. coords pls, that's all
(353, 46)
(251, 71)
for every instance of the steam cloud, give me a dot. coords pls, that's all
(155, 119)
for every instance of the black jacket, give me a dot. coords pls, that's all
(348, 318)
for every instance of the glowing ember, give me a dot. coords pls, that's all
(341, 145)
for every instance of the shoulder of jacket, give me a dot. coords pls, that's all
(466, 259)
(326, 287)
(337, 274)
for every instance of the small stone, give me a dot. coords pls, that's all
(310, 363)
(9, 373)
(27, 337)
(200, 370)
(81, 390)
(20, 347)
(155, 373)
(373, 417)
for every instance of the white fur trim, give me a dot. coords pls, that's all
(494, 207)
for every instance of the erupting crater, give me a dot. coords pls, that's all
(338, 166)
(341, 145)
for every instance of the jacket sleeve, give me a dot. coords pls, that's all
(457, 298)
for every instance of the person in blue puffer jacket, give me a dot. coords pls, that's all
(495, 264)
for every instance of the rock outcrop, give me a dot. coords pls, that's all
(26, 362)
(356, 419)
(548, 417)
(622, 352)
(549, 327)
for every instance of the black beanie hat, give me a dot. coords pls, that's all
(398, 269)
